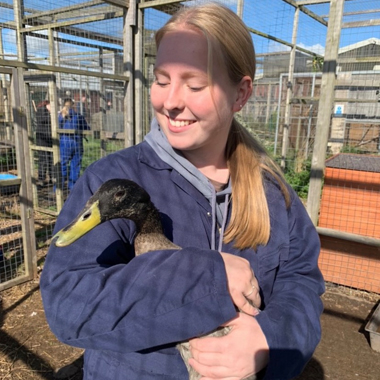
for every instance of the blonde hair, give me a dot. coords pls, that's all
(248, 162)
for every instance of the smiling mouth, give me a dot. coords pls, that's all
(180, 123)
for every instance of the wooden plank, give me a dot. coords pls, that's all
(84, 20)
(306, 11)
(360, 24)
(78, 43)
(60, 69)
(57, 11)
(13, 282)
(158, 3)
(120, 3)
(316, 99)
(10, 182)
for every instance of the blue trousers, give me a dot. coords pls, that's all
(71, 152)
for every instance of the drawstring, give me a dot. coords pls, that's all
(223, 226)
(213, 212)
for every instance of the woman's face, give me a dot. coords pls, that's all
(194, 115)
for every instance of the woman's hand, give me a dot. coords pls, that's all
(242, 284)
(242, 352)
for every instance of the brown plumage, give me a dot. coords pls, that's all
(121, 198)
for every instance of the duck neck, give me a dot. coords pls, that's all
(150, 224)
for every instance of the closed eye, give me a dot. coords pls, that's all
(197, 89)
(161, 84)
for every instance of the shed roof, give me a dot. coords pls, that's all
(355, 162)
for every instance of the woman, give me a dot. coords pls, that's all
(224, 201)
(44, 138)
(71, 143)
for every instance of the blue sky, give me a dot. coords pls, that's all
(274, 17)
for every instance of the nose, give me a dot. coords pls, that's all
(174, 97)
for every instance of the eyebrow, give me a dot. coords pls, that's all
(187, 75)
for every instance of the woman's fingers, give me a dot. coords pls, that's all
(253, 295)
(242, 284)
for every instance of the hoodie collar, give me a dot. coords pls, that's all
(218, 201)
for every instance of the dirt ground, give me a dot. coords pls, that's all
(29, 351)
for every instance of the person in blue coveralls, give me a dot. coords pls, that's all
(71, 143)
(224, 201)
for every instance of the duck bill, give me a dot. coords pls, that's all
(85, 222)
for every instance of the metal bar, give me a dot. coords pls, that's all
(34, 66)
(348, 236)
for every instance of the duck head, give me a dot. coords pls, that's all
(116, 198)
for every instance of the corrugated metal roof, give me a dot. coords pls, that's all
(355, 162)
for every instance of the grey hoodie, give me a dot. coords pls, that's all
(173, 157)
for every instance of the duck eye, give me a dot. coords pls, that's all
(86, 215)
(120, 194)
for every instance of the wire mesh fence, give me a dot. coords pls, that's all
(99, 55)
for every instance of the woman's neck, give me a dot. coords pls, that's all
(213, 168)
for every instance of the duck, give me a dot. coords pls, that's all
(123, 198)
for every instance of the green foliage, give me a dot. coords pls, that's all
(317, 64)
(272, 121)
(91, 151)
(351, 149)
(299, 180)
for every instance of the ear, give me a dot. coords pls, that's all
(244, 91)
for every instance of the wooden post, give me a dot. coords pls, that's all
(54, 108)
(103, 106)
(326, 101)
(24, 171)
(240, 7)
(5, 95)
(18, 10)
(129, 98)
(289, 93)
(267, 115)
(139, 77)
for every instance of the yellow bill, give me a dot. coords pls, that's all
(85, 222)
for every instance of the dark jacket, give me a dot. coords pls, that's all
(128, 312)
(43, 130)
